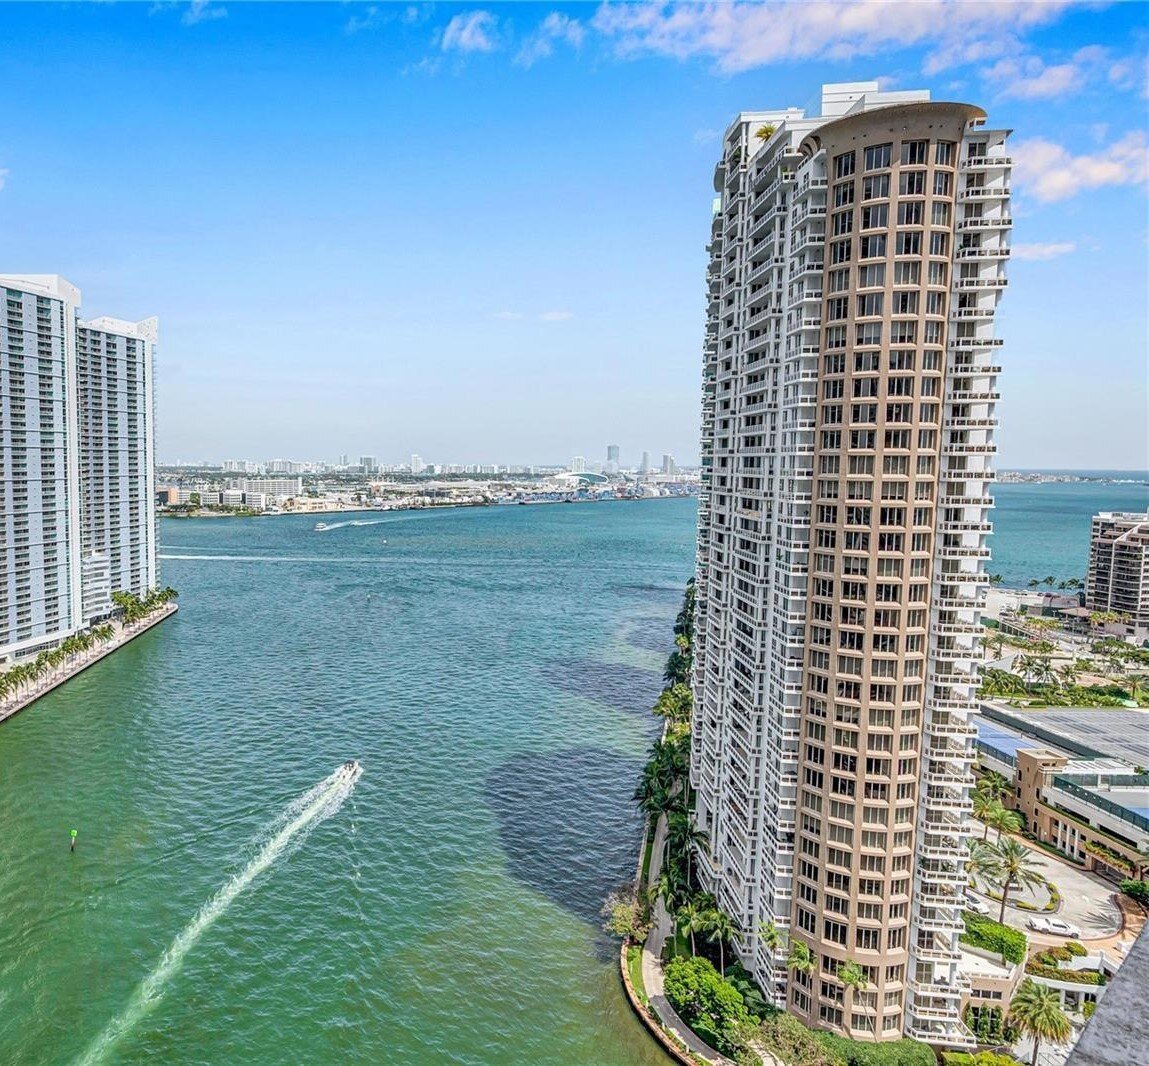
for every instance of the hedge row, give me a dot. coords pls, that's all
(985, 933)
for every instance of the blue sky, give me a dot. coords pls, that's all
(477, 231)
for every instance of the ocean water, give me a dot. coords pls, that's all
(492, 669)
(1043, 529)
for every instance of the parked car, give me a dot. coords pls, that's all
(972, 903)
(1055, 926)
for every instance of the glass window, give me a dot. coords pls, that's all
(944, 153)
(876, 187)
(911, 213)
(872, 247)
(876, 217)
(878, 156)
(912, 183)
(844, 165)
(914, 152)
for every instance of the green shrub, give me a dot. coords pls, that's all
(981, 1058)
(985, 933)
(1076, 949)
(1080, 977)
(1138, 890)
(791, 1042)
(904, 1052)
(1088, 1007)
(710, 1005)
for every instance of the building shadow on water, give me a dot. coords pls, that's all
(629, 688)
(568, 827)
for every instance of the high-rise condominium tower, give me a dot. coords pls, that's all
(848, 416)
(77, 496)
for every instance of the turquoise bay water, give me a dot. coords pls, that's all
(1042, 529)
(491, 668)
(493, 671)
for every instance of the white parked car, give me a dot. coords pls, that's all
(1053, 925)
(972, 903)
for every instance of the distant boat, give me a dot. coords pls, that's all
(320, 527)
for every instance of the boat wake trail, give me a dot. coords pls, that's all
(289, 829)
(353, 522)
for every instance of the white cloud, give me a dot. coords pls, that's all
(556, 316)
(202, 11)
(372, 16)
(3, 176)
(1040, 252)
(1050, 173)
(555, 28)
(475, 31)
(1028, 77)
(742, 35)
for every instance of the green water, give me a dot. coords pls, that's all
(492, 670)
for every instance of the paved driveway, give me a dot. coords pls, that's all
(1086, 900)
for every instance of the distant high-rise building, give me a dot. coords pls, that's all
(668, 464)
(612, 452)
(1118, 578)
(343, 460)
(417, 464)
(578, 465)
(369, 463)
(77, 502)
(644, 466)
(117, 459)
(849, 394)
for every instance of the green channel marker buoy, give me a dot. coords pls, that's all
(75, 833)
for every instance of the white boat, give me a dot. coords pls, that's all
(320, 527)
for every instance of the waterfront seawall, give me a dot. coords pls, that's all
(124, 635)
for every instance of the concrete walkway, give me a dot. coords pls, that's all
(65, 672)
(652, 961)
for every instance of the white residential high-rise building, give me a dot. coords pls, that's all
(849, 388)
(117, 459)
(578, 465)
(668, 466)
(644, 466)
(417, 464)
(77, 502)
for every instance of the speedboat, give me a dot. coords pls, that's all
(320, 527)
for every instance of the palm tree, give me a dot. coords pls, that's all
(683, 836)
(997, 785)
(800, 959)
(976, 859)
(1010, 865)
(771, 936)
(985, 807)
(764, 133)
(691, 919)
(720, 929)
(1004, 820)
(1036, 1011)
(1069, 673)
(854, 980)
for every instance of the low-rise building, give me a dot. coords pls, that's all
(1078, 777)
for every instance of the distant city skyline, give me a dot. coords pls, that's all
(378, 296)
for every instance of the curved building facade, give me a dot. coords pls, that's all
(849, 389)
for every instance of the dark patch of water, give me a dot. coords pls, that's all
(567, 825)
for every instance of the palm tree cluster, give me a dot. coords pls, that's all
(132, 607)
(989, 808)
(20, 677)
(1006, 864)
